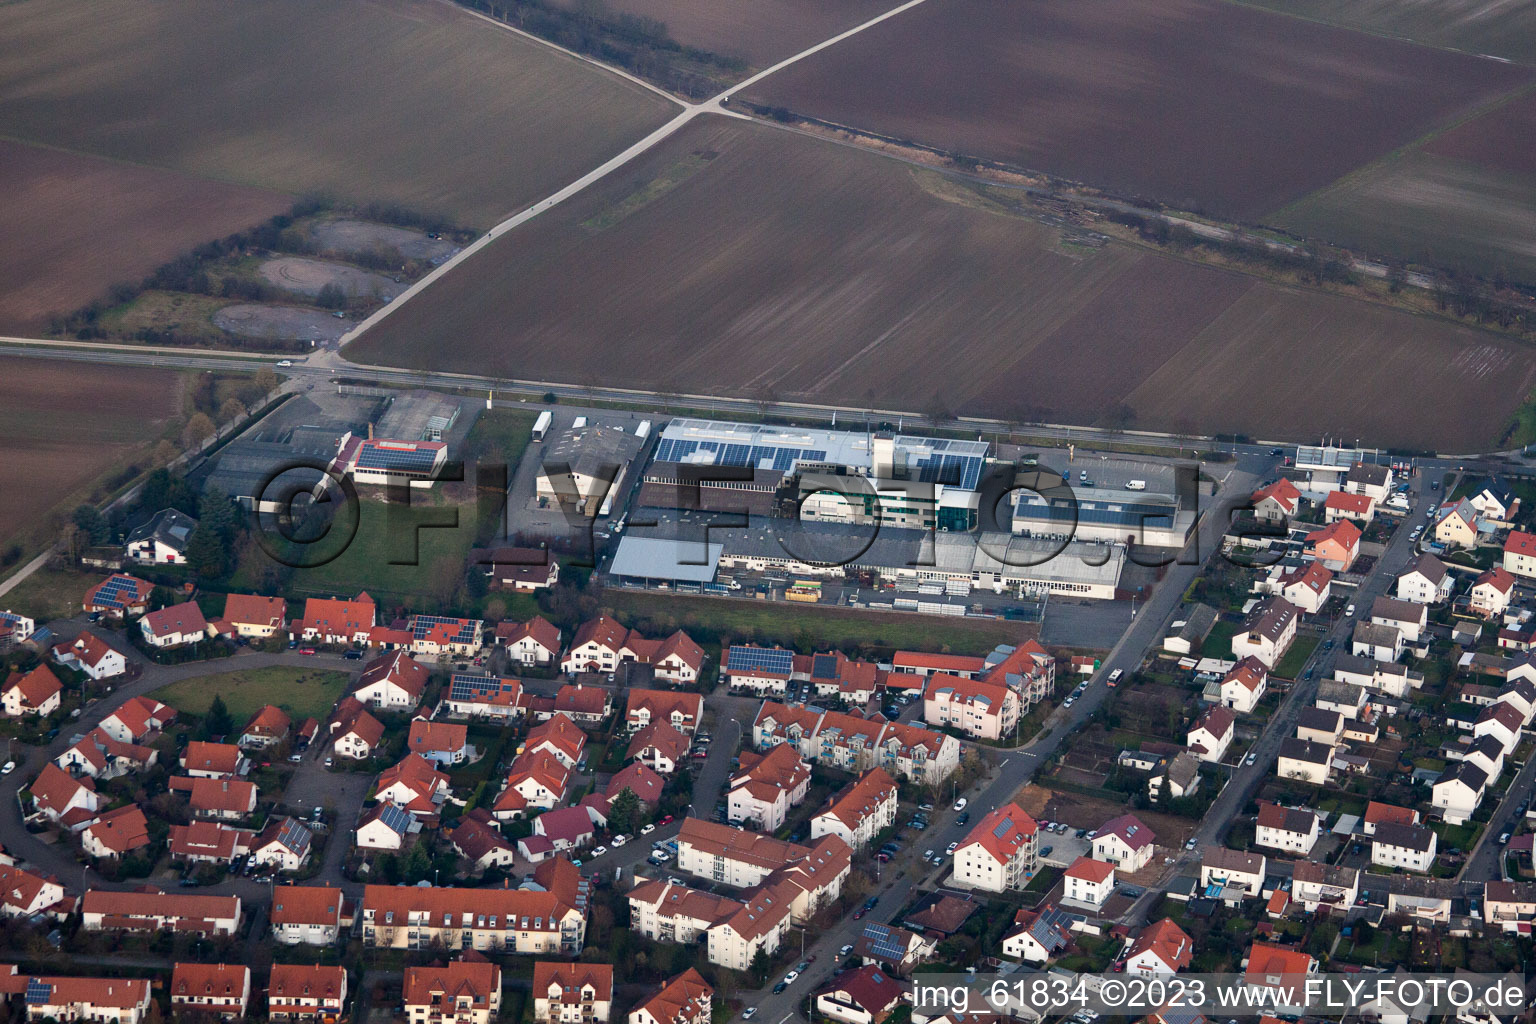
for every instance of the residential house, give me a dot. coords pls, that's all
(864, 995)
(1231, 870)
(520, 921)
(1000, 852)
(1495, 500)
(177, 625)
(438, 636)
(204, 760)
(533, 643)
(1392, 679)
(578, 993)
(561, 737)
(1161, 949)
(1378, 813)
(682, 710)
(37, 692)
(1503, 722)
(336, 621)
(137, 719)
(267, 728)
(1308, 586)
(355, 734)
(1360, 508)
(1336, 545)
(118, 597)
(1089, 882)
(1244, 686)
(1316, 885)
(1520, 553)
(639, 780)
(1179, 775)
(1126, 842)
(154, 910)
(392, 682)
(659, 747)
(214, 990)
(253, 616)
(1455, 525)
(303, 992)
(443, 743)
(464, 991)
(567, 828)
(536, 780)
(759, 670)
(208, 842)
(1408, 617)
(837, 677)
(860, 811)
(980, 708)
(1212, 733)
(415, 784)
(92, 655)
(476, 695)
(64, 799)
(23, 894)
(1410, 847)
(897, 949)
(1268, 632)
(309, 915)
(1276, 502)
(684, 999)
(766, 786)
(284, 845)
(161, 540)
(223, 798)
(1428, 581)
(478, 841)
(1283, 970)
(1491, 592)
(385, 826)
(1509, 905)
(671, 912)
(1305, 761)
(1369, 480)
(1038, 935)
(59, 998)
(1287, 829)
(1458, 791)
(601, 645)
(1319, 726)
(1379, 643)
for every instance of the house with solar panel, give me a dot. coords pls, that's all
(118, 1000)
(1040, 934)
(895, 949)
(477, 695)
(384, 462)
(386, 827)
(162, 540)
(15, 628)
(284, 844)
(118, 597)
(1000, 852)
(976, 707)
(438, 635)
(759, 670)
(1125, 842)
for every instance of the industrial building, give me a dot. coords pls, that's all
(585, 466)
(1144, 518)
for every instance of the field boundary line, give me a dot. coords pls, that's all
(658, 90)
(123, 346)
(787, 61)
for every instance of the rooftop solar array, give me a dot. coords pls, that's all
(1003, 827)
(38, 992)
(824, 666)
(396, 818)
(468, 687)
(397, 455)
(113, 589)
(294, 835)
(771, 659)
(713, 443)
(421, 625)
(883, 943)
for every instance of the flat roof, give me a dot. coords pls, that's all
(666, 558)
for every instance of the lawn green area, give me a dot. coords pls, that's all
(812, 627)
(411, 555)
(499, 435)
(1301, 649)
(1218, 642)
(51, 593)
(302, 693)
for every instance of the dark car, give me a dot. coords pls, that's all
(963, 817)
(870, 903)
(780, 987)
(1047, 851)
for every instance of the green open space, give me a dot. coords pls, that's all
(302, 693)
(813, 627)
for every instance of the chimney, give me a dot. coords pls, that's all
(370, 431)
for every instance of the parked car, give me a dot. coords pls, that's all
(952, 847)
(749, 1013)
(960, 804)
(845, 950)
(650, 827)
(780, 987)
(10, 766)
(1046, 851)
(1190, 845)
(965, 816)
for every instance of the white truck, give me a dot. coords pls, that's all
(1136, 485)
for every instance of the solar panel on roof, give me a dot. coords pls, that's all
(38, 992)
(412, 458)
(882, 943)
(396, 818)
(824, 666)
(463, 687)
(772, 659)
(1003, 828)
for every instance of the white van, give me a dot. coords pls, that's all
(1136, 485)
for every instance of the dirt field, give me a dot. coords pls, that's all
(1203, 104)
(113, 412)
(793, 268)
(761, 31)
(71, 226)
(252, 320)
(304, 276)
(350, 237)
(1498, 27)
(406, 101)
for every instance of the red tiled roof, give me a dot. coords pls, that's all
(186, 617)
(1349, 504)
(1498, 578)
(1520, 543)
(441, 986)
(224, 796)
(201, 756)
(255, 610)
(664, 737)
(141, 714)
(1090, 870)
(138, 595)
(662, 703)
(638, 779)
(306, 904)
(36, 687)
(538, 628)
(563, 982)
(938, 662)
(1167, 941)
(307, 983)
(269, 721)
(1131, 830)
(399, 669)
(331, 616)
(430, 737)
(1002, 832)
(122, 830)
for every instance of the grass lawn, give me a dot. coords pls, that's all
(1301, 650)
(1218, 642)
(499, 435)
(806, 627)
(411, 555)
(51, 593)
(302, 693)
